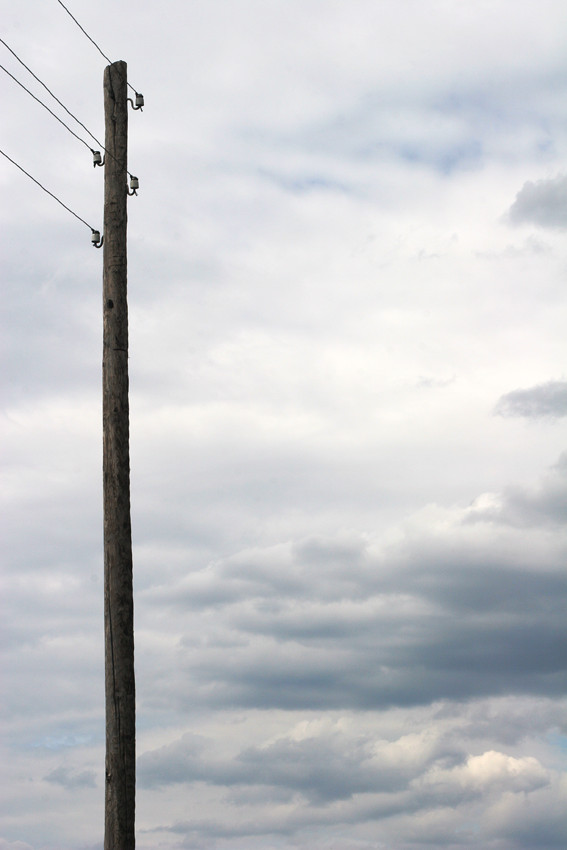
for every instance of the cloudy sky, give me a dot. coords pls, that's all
(348, 291)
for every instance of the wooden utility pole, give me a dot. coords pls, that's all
(118, 591)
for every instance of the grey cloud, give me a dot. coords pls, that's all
(543, 505)
(507, 720)
(322, 769)
(548, 505)
(346, 779)
(254, 574)
(15, 845)
(543, 400)
(339, 624)
(543, 825)
(327, 767)
(543, 203)
(185, 762)
(420, 670)
(71, 779)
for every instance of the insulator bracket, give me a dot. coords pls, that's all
(139, 101)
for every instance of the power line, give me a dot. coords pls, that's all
(68, 111)
(46, 107)
(55, 98)
(48, 192)
(91, 39)
(85, 32)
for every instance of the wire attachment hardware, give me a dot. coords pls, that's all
(134, 185)
(139, 101)
(97, 158)
(97, 239)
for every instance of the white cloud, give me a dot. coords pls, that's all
(493, 770)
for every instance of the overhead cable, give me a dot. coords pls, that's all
(68, 111)
(48, 192)
(58, 101)
(91, 39)
(46, 107)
